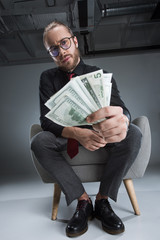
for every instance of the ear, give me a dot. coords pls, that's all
(76, 42)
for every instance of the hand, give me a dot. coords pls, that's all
(89, 139)
(114, 128)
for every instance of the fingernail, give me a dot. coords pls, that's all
(88, 119)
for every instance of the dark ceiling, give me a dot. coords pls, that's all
(102, 26)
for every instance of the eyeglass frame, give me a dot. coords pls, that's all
(58, 46)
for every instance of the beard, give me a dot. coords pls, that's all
(69, 67)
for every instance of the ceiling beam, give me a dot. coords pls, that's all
(1, 5)
(31, 10)
(5, 4)
(27, 44)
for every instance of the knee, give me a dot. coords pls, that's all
(134, 136)
(41, 140)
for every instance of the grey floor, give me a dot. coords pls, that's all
(25, 211)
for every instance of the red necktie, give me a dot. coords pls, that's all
(72, 145)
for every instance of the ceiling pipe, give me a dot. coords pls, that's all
(129, 10)
(124, 50)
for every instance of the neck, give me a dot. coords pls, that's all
(71, 70)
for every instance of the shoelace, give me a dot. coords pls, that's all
(106, 204)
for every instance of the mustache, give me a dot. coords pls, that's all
(65, 56)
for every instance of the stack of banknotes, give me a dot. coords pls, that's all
(80, 97)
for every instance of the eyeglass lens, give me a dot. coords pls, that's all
(64, 44)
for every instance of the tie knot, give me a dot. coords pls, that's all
(70, 75)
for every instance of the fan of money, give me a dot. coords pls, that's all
(79, 98)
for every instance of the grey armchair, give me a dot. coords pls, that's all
(89, 165)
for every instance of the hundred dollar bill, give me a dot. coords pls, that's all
(71, 89)
(86, 92)
(68, 113)
(91, 91)
(107, 87)
(107, 77)
(84, 84)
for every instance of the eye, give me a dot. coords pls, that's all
(64, 42)
(52, 48)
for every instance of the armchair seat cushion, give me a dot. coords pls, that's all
(86, 157)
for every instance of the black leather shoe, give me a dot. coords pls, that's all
(111, 223)
(78, 224)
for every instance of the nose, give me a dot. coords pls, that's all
(61, 51)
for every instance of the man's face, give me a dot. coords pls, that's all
(68, 59)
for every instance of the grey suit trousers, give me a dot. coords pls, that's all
(48, 150)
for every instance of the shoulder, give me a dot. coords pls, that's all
(92, 68)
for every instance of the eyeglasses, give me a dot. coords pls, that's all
(65, 44)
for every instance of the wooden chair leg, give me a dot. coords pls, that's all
(56, 199)
(132, 195)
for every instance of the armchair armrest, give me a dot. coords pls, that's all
(138, 168)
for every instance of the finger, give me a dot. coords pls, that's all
(111, 132)
(118, 129)
(96, 147)
(116, 138)
(104, 113)
(118, 121)
(93, 148)
(99, 145)
(99, 140)
(97, 132)
(103, 126)
(98, 137)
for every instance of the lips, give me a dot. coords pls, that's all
(65, 59)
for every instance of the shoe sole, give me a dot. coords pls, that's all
(77, 234)
(82, 232)
(113, 232)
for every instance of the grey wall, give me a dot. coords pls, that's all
(138, 78)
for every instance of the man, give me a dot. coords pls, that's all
(115, 134)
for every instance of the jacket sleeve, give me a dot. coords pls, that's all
(46, 90)
(117, 101)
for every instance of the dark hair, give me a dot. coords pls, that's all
(52, 25)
